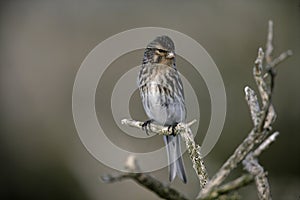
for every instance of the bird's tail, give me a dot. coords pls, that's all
(175, 161)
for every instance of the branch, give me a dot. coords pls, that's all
(282, 57)
(185, 132)
(262, 118)
(256, 135)
(258, 76)
(148, 182)
(263, 146)
(240, 182)
(269, 49)
(253, 104)
(235, 184)
(256, 171)
(269, 45)
(261, 180)
(195, 156)
(145, 180)
(254, 168)
(158, 129)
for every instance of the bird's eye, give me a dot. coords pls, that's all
(161, 51)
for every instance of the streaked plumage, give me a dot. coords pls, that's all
(162, 96)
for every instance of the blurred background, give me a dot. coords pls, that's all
(43, 44)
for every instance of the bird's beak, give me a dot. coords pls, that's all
(170, 55)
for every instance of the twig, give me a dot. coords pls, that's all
(269, 45)
(263, 146)
(258, 76)
(282, 57)
(235, 184)
(257, 134)
(185, 132)
(158, 129)
(148, 182)
(195, 155)
(145, 180)
(260, 177)
(252, 165)
(262, 118)
(253, 104)
(242, 181)
(239, 154)
(269, 49)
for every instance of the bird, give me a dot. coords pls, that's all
(162, 95)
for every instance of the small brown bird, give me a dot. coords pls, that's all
(162, 95)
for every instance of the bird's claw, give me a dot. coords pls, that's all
(146, 125)
(173, 128)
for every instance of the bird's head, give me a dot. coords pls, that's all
(161, 50)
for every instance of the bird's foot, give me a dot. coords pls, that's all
(173, 128)
(146, 125)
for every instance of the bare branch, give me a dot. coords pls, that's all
(186, 133)
(258, 76)
(158, 129)
(263, 146)
(239, 154)
(231, 186)
(195, 155)
(148, 182)
(235, 184)
(260, 177)
(269, 45)
(145, 180)
(282, 57)
(258, 133)
(262, 118)
(265, 90)
(253, 104)
(254, 168)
